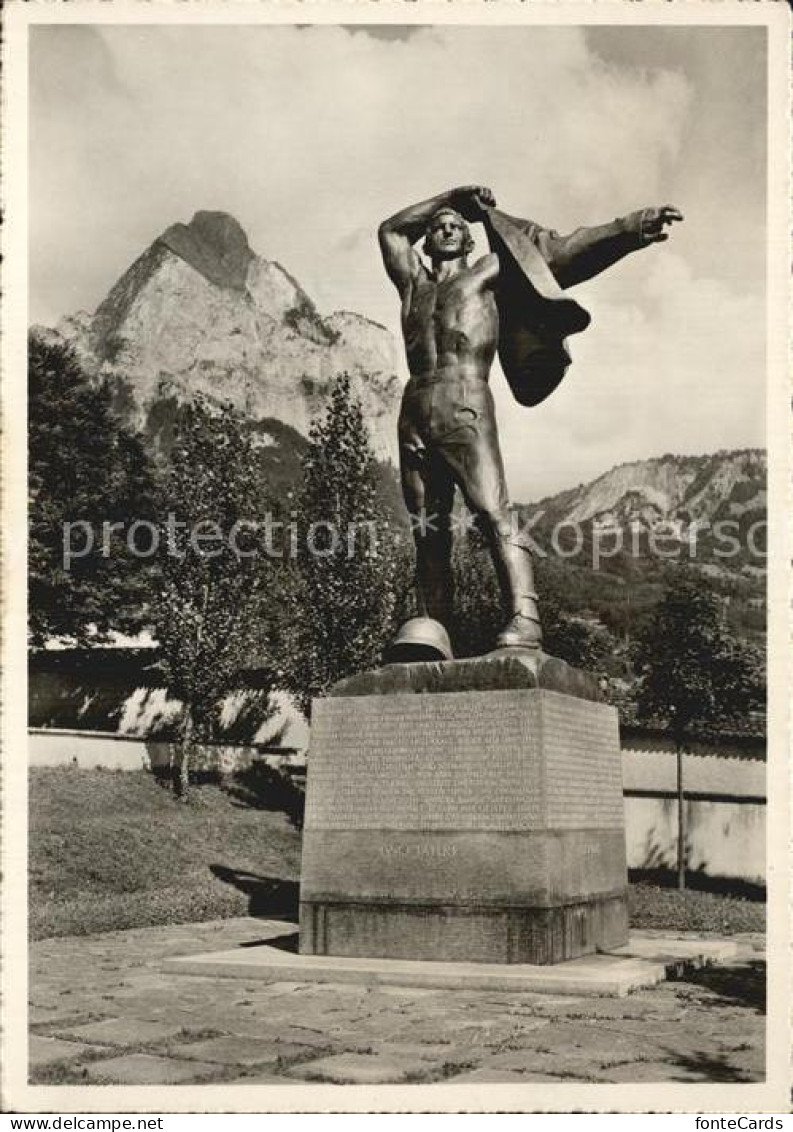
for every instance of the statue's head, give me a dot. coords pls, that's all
(447, 236)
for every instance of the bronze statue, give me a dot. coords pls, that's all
(455, 315)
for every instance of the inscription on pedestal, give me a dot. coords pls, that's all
(463, 761)
(583, 786)
(424, 762)
(420, 852)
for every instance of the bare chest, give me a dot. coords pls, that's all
(460, 304)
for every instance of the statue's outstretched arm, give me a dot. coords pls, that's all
(588, 251)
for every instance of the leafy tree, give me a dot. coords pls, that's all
(350, 561)
(583, 643)
(214, 616)
(478, 610)
(90, 480)
(694, 675)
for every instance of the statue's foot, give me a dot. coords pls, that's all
(521, 632)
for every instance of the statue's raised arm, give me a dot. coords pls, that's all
(400, 232)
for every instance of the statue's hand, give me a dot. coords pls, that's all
(474, 200)
(655, 220)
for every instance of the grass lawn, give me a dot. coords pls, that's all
(113, 849)
(653, 907)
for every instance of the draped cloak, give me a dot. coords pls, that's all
(535, 315)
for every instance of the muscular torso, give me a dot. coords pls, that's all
(450, 327)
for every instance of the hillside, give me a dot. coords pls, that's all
(671, 489)
(619, 534)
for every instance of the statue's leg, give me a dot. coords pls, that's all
(511, 558)
(428, 489)
(474, 456)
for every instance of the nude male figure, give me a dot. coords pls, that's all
(447, 426)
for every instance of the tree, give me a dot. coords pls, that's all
(214, 614)
(350, 564)
(90, 481)
(478, 610)
(693, 674)
(478, 607)
(584, 643)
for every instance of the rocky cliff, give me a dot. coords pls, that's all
(200, 311)
(703, 501)
(688, 488)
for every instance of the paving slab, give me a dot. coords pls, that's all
(749, 1063)
(123, 1032)
(256, 1078)
(632, 1008)
(584, 1040)
(407, 994)
(146, 1069)
(486, 1076)
(651, 1072)
(242, 1051)
(692, 952)
(644, 962)
(438, 1054)
(709, 1027)
(265, 1028)
(48, 1051)
(430, 1031)
(361, 1069)
(44, 1015)
(62, 1022)
(524, 1031)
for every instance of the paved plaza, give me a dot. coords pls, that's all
(103, 1012)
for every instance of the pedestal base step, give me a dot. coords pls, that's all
(436, 932)
(645, 961)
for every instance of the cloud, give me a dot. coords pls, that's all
(310, 137)
(303, 134)
(680, 369)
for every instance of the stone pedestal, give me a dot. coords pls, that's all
(464, 810)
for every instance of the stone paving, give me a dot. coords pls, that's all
(102, 1013)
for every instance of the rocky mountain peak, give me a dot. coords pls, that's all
(200, 311)
(215, 244)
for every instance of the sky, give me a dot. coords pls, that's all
(310, 136)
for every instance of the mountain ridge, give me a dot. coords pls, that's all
(683, 488)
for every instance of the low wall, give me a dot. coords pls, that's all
(70, 748)
(723, 839)
(725, 811)
(117, 752)
(92, 751)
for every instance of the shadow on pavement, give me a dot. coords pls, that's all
(740, 985)
(711, 1068)
(289, 942)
